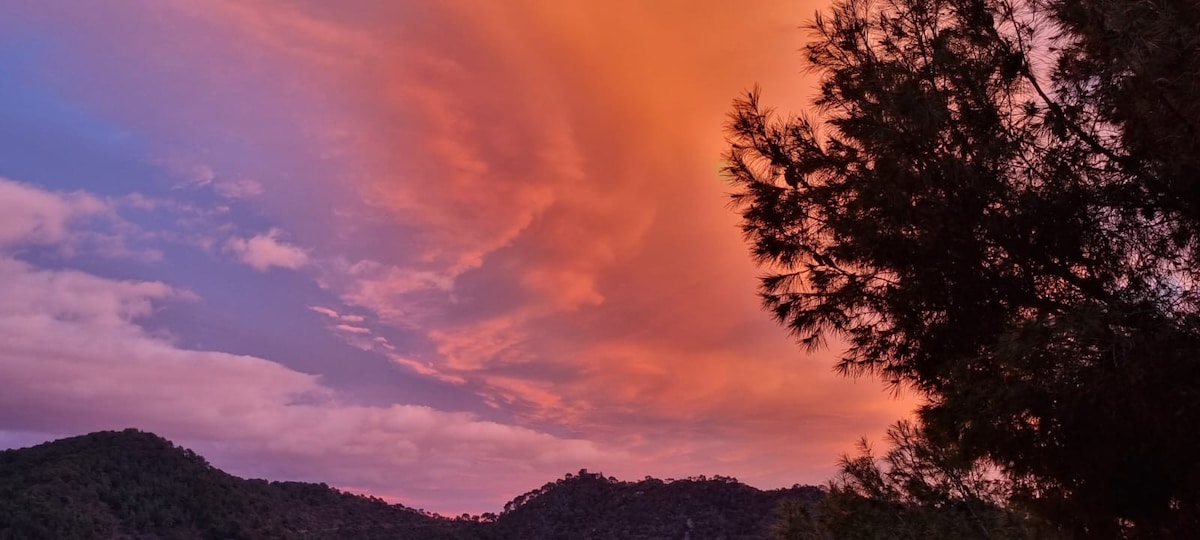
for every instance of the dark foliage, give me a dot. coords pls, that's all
(917, 489)
(135, 485)
(998, 207)
(588, 505)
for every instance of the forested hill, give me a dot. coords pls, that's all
(137, 485)
(132, 484)
(589, 505)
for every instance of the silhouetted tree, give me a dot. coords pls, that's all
(919, 489)
(997, 206)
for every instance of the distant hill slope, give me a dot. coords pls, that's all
(136, 485)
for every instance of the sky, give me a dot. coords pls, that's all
(440, 252)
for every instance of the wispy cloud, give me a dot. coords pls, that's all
(352, 329)
(241, 188)
(328, 312)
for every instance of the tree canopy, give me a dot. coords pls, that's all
(915, 490)
(995, 203)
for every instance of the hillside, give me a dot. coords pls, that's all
(136, 485)
(589, 505)
(132, 484)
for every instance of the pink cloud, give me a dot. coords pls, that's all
(351, 329)
(73, 359)
(328, 312)
(382, 288)
(29, 215)
(265, 251)
(422, 368)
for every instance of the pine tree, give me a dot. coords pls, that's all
(995, 204)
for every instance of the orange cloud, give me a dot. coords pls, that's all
(532, 187)
(564, 155)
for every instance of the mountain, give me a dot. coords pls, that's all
(136, 485)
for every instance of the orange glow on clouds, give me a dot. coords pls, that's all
(531, 189)
(556, 162)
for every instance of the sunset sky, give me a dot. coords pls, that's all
(441, 252)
